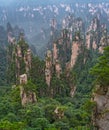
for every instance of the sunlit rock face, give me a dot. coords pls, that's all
(94, 46)
(55, 52)
(75, 50)
(88, 42)
(27, 96)
(27, 59)
(58, 69)
(23, 79)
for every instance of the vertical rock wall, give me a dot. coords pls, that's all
(48, 69)
(101, 113)
(27, 96)
(75, 52)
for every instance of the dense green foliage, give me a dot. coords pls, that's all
(55, 108)
(101, 69)
(37, 75)
(74, 113)
(41, 115)
(3, 65)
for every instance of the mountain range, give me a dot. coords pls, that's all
(35, 16)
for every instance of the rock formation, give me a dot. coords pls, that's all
(48, 69)
(22, 58)
(23, 79)
(27, 59)
(59, 113)
(72, 91)
(11, 39)
(94, 45)
(101, 113)
(88, 40)
(75, 51)
(55, 53)
(69, 43)
(73, 24)
(27, 96)
(59, 59)
(58, 69)
(96, 37)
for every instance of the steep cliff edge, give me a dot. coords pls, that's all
(101, 93)
(101, 113)
(73, 48)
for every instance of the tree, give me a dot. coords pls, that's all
(6, 125)
(101, 69)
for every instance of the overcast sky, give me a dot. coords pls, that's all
(9, 2)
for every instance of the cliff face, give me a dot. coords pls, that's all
(101, 96)
(58, 68)
(75, 52)
(23, 59)
(73, 24)
(101, 114)
(27, 96)
(71, 44)
(48, 69)
(61, 59)
(88, 40)
(20, 61)
(55, 52)
(20, 56)
(96, 36)
(28, 60)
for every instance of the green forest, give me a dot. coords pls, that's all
(55, 75)
(75, 113)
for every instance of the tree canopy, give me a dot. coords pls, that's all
(101, 69)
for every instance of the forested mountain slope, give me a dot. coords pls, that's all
(62, 90)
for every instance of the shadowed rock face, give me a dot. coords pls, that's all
(72, 91)
(101, 116)
(48, 69)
